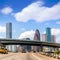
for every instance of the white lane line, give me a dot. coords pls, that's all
(38, 58)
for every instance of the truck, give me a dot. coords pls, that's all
(3, 50)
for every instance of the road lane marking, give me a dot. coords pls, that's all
(38, 58)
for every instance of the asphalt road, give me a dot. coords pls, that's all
(18, 56)
(23, 56)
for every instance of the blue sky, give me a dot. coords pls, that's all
(28, 15)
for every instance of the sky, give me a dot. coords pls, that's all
(28, 15)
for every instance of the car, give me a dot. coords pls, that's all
(34, 51)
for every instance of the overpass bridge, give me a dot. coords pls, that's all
(28, 42)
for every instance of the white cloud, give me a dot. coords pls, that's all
(6, 10)
(38, 12)
(27, 34)
(58, 39)
(1, 37)
(2, 29)
(55, 31)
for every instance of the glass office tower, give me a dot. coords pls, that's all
(48, 33)
(9, 34)
(9, 30)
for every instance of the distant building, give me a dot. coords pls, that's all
(9, 35)
(44, 37)
(53, 38)
(48, 33)
(9, 30)
(28, 47)
(20, 48)
(37, 35)
(37, 38)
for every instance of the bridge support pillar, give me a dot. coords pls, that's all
(41, 48)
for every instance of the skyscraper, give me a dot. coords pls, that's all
(9, 30)
(9, 34)
(37, 38)
(37, 35)
(44, 37)
(48, 33)
(53, 38)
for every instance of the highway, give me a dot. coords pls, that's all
(24, 56)
(28, 42)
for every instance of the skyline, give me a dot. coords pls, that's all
(26, 16)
